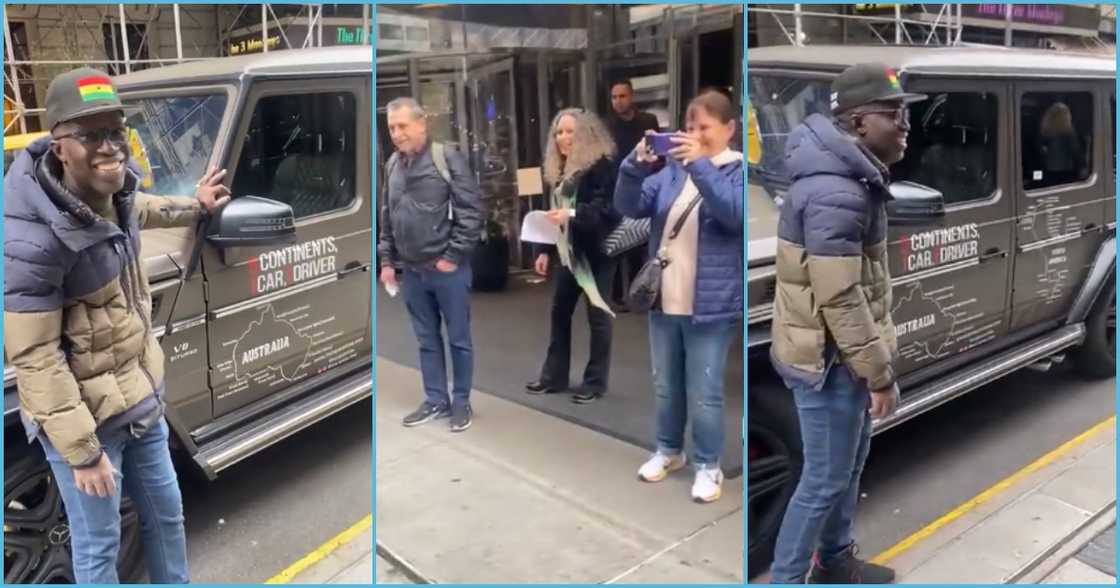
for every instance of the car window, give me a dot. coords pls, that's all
(953, 145)
(301, 150)
(1056, 130)
(172, 139)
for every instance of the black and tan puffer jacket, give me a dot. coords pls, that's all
(77, 323)
(833, 295)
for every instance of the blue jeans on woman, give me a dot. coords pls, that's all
(836, 435)
(145, 472)
(688, 369)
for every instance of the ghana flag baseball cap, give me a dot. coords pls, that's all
(868, 82)
(81, 92)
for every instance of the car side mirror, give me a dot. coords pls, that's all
(915, 204)
(252, 221)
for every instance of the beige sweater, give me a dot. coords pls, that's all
(678, 279)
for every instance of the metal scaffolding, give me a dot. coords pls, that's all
(930, 26)
(77, 23)
(947, 20)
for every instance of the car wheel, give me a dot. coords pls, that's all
(1096, 357)
(37, 532)
(774, 461)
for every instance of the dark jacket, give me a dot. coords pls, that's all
(719, 274)
(424, 219)
(595, 215)
(627, 134)
(833, 283)
(77, 305)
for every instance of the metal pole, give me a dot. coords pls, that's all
(124, 41)
(960, 22)
(15, 75)
(264, 28)
(310, 26)
(320, 25)
(897, 24)
(365, 24)
(178, 34)
(1007, 29)
(797, 25)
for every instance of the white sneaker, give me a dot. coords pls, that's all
(659, 465)
(708, 485)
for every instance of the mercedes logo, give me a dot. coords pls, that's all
(59, 535)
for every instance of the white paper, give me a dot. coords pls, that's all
(536, 228)
(392, 289)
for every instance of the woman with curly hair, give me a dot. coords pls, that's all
(579, 172)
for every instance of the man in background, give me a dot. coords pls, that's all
(628, 125)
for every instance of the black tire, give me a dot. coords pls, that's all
(774, 459)
(37, 533)
(1096, 357)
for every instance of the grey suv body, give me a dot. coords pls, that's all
(264, 314)
(1002, 239)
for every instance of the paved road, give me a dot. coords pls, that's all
(265, 513)
(927, 467)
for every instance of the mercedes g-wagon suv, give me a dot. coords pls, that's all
(263, 312)
(1002, 238)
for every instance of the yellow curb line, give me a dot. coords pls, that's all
(909, 542)
(321, 552)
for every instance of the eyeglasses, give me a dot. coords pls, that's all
(899, 115)
(117, 137)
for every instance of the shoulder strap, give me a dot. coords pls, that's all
(439, 159)
(680, 221)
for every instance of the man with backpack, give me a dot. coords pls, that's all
(431, 220)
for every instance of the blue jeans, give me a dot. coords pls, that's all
(836, 435)
(146, 474)
(432, 296)
(688, 369)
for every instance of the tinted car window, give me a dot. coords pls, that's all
(301, 150)
(1057, 138)
(953, 145)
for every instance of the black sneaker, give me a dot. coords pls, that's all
(460, 417)
(539, 387)
(586, 395)
(426, 412)
(849, 569)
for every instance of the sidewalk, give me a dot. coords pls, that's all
(523, 497)
(1054, 524)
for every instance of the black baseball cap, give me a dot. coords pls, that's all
(868, 82)
(81, 92)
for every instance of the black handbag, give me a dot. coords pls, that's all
(646, 288)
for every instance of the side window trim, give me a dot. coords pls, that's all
(1001, 91)
(1023, 89)
(349, 86)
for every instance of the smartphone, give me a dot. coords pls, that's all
(659, 143)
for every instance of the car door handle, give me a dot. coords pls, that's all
(993, 253)
(353, 266)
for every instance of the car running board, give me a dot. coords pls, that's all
(932, 395)
(238, 444)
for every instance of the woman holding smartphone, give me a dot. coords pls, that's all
(579, 171)
(696, 205)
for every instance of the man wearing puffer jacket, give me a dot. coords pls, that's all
(833, 339)
(77, 325)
